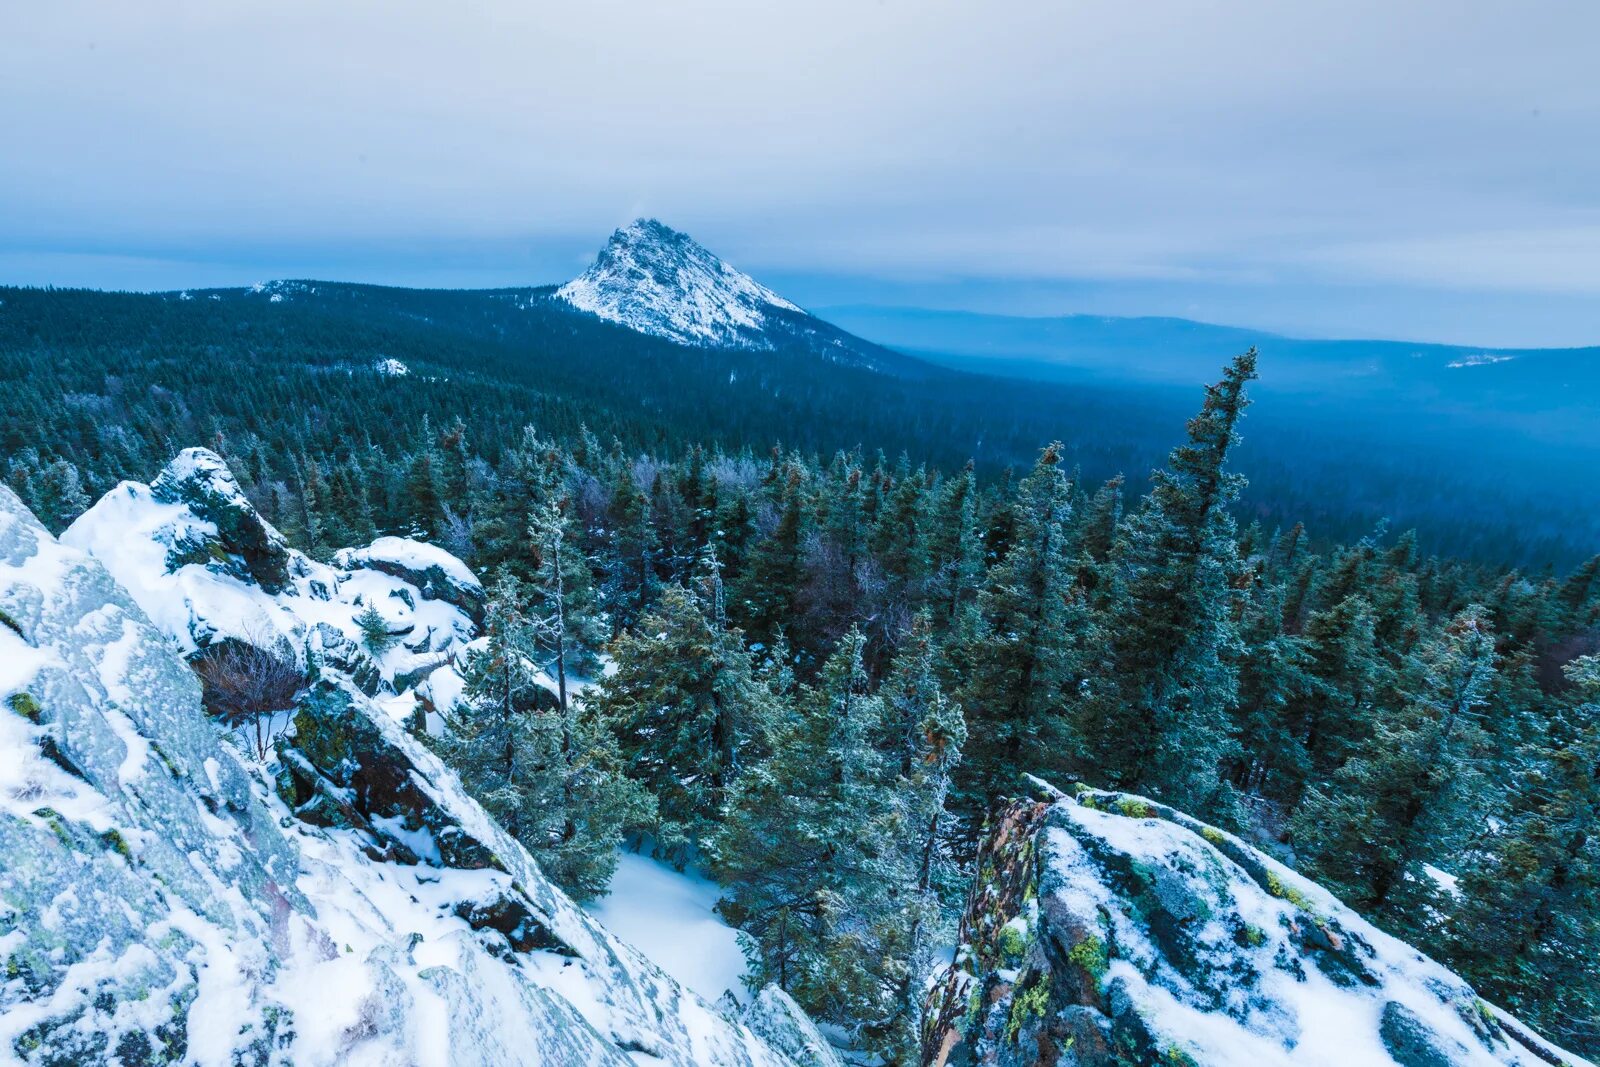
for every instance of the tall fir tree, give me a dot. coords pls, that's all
(808, 850)
(1528, 917)
(1158, 718)
(552, 780)
(1401, 804)
(688, 709)
(1025, 658)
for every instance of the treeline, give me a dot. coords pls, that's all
(111, 384)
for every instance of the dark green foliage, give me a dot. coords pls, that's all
(551, 776)
(688, 709)
(1027, 645)
(1529, 915)
(1158, 717)
(1346, 702)
(375, 636)
(1401, 803)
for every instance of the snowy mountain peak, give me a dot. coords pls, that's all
(656, 280)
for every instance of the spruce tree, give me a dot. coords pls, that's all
(632, 576)
(567, 620)
(1025, 659)
(1529, 914)
(687, 708)
(1158, 718)
(1402, 803)
(927, 731)
(809, 849)
(551, 779)
(769, 588)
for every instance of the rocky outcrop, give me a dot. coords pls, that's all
(783, 1024)
(166, 898)
(432, 571)
(1106, 930)
(208, 569)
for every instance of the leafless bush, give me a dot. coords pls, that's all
(247, 684)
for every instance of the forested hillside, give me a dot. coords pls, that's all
(187, 367)
(828, 663)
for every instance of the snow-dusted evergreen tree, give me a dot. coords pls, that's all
(1158, 718)
(928, 730)
(567, 622)
(375, 635)
(550, 776)
(952, 550)
(1529, 913)
(1400, 804)
(809, 849)
(687, 707)
(632, 578)
(1025, 656)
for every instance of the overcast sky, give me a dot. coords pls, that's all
(1425, 169)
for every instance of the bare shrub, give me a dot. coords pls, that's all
(246, 684)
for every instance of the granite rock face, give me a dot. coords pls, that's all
(1106, 930)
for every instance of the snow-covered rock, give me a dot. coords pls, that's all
(775, 1016)
(203, 564)
(1109, 930)
(655, 280)
(164, 898)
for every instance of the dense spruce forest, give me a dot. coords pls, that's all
(186, 367)
(834, 642)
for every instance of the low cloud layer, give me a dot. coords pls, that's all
(1249, 158)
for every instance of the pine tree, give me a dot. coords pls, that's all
(1025, 659)
(1529, 918)
(927, 731)
(1158, 718)
(58, 496)
(1348, 679)
(688, 708)
(808, 849)
(550, 777)
(633, 549)
(1274, 683)
(422, 495)
(568, 623)
(952, 549)
(1400, 805)
(769, 589)
(375, 635)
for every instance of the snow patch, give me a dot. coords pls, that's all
(668, 916)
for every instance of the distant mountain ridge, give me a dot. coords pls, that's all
(658, 281)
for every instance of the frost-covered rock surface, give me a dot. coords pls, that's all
(207, 568)
(775, 1016)
(656, 280)
(1109, 930)
(164, 898)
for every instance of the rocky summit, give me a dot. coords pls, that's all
(659, 281)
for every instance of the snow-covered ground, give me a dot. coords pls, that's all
(667, 916)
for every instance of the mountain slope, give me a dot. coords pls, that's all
(167, 896)
(1550, 394)
(655, 280)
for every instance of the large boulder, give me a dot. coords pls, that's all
(1107, 930)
